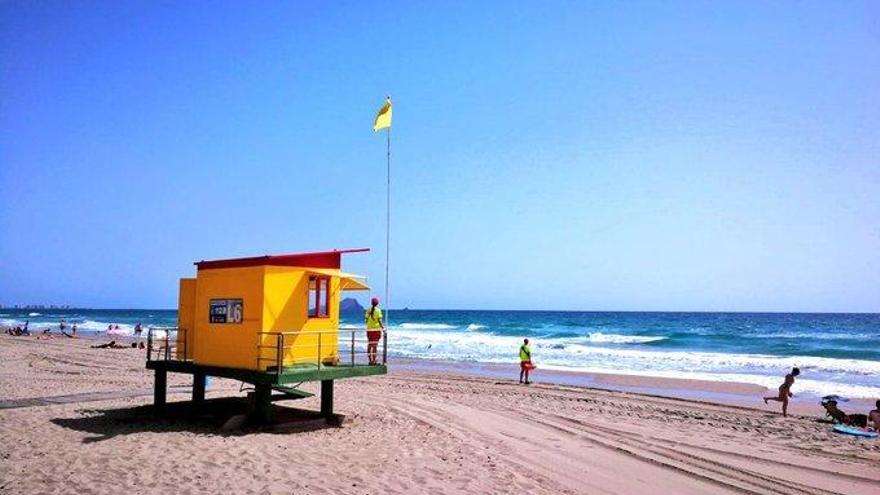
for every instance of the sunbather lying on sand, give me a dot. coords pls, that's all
(110, 345)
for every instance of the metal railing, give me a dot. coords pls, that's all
(167, 347)
(351, 347)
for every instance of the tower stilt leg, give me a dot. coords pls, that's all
(327, 398)
(263, 399)
(198, 391)
(160, 386)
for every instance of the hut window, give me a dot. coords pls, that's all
(319, 296)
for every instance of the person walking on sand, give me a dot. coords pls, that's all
(785, 391)
(525, 361)
(375, 327)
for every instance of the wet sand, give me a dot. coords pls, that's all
(77, 420)
(731, 393)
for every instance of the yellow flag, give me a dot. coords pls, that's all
(383, 118)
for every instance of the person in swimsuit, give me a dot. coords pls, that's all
(785, 391)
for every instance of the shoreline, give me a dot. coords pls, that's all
(733, 393)
(738, 394)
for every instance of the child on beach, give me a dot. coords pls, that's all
(785, 391)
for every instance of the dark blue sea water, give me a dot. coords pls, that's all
(837, 353)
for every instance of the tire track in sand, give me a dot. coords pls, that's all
(651, 450)
(576, 462)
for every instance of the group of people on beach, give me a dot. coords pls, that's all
(63, 329)
(19, 330)
(829, 403)
(66, 330)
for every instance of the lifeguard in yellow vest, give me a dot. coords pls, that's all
(375, 327)
(525, 362)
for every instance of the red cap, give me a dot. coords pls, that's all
(375, 301)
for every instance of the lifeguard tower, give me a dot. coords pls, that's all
(271, 321)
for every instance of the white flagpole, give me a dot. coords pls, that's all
(387, 245)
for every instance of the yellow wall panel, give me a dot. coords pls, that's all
(286, 310)
(232, 345)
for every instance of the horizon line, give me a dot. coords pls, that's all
(4, 308)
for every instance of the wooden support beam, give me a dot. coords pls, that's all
(327, 398)
(160, 388)
(198, 392)
(263, 402)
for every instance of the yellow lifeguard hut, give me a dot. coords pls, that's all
(269, 320)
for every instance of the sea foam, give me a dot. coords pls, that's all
(854, 377)
(610, 338)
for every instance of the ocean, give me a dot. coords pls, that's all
(837, 353)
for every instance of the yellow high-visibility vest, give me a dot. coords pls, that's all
(525, 353)
(373, 321)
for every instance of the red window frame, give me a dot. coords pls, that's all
(320, 296)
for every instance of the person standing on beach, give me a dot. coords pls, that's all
(375, 327)
(785, 391)
(138, 329)
(525, 361)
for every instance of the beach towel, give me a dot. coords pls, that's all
(852, 430)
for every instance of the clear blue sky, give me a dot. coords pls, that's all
(547, 155)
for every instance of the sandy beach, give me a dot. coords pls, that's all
(77, 420)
